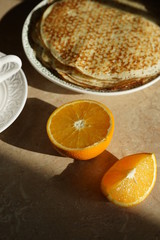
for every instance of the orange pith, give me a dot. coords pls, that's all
(130, 180)
(81, 129)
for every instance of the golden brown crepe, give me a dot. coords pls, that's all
(93, 45)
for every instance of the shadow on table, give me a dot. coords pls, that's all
(67, 206)
(29, 129)
(82, 179)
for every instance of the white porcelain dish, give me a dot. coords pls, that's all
(13, 95)
(50, 76)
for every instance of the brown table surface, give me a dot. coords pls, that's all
(46, 196)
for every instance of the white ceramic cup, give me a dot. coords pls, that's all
(5, 71)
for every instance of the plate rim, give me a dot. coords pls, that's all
(22, 102)
(51, 77)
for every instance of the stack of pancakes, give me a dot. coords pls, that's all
(96, 46)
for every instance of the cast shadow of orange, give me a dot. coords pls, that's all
(67, 206)
(82, 179)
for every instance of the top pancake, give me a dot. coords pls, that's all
(72, 75)
(100, 41)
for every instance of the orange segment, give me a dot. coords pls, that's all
(130, 180)
(81, 129)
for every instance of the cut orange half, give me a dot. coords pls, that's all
(81, 129)
(130, 180)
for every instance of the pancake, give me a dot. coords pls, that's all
(53, 38)
(101, 42)
(75, 77)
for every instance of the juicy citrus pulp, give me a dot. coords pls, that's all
(81, 129)
(130, 180)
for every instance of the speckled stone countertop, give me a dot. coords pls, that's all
(46, 196)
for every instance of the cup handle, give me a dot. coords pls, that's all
(9, 72)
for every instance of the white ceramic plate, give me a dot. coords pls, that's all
(50, 76)
(13, 95)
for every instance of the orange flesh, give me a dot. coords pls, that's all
(130, 180)
(80, 125)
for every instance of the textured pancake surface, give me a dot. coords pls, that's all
(101, 42)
